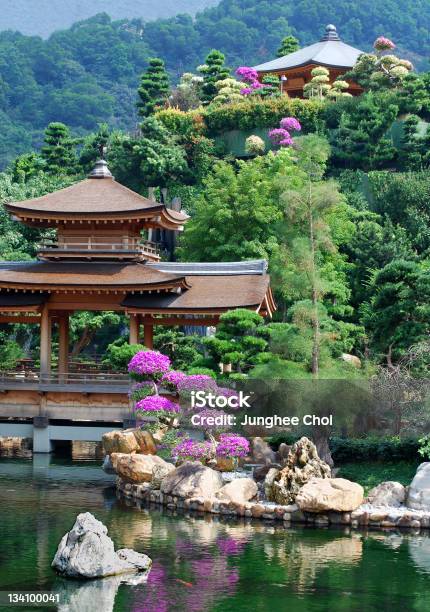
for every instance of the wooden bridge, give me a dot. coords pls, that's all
(63, 406)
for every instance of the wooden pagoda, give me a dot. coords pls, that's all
(294, 70)
(98, 261)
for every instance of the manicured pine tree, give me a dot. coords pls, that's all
(154, 88)
(213, 70)
(59, 151)
(289, 44)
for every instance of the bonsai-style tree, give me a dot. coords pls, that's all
(154, 88)
(289, 44)
(229, 90)
(187, 94)
(320, 87)
(59, 151)
(380, 70)
(213, 70)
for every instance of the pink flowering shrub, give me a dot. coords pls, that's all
(141, 390)
(148, 364)
(171, 379)
(156, 405)
(383, 44)
(232, 446)
(250, 77)
(193, 450)
(211, 414)
(196, 382)
(281, 136)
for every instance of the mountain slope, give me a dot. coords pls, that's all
(90, 72)
(42, 17)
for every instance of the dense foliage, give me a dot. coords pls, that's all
(90, 73)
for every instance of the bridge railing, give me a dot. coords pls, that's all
(57, 378)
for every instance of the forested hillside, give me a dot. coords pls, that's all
(42, 17)
(90, 72)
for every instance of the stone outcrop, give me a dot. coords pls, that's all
(261, 452)
(129, 441)
(419, 490)
(159, 473)
(136, 468)
(192, 479)
(238, 491)
(86, 551)
(330, 494)
(389, 493)
(302, 464)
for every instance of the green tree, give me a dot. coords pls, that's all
(95, 146)
(398, 312)
(289, 44)
(154, 88)
(213, 70)
(360, 141)
(59, 151)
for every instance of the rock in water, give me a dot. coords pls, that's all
(238, 491)
(86, 551)
(388, 493)
(302, 464)
(192, 479)
(136, 468)
(325, 494)
(120, 442)
(419, 489)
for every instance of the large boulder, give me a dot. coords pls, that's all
(238, 491)
(86, 551)
(192, 479)
(326, 494)
(419, 490)
(136, 468)
(261, 452)
(389, 493)
(159, 473)
(302, 464)
(129, 441)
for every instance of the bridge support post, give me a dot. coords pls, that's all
(148, 332)
(63, 345)
(41, 436)
(134, 329)
(45, 342)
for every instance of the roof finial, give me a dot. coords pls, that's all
(100, 170)
(330, 33)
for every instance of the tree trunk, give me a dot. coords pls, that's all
(85, 339)
(315, 318)
(320, 437)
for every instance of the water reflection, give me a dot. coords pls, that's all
(200, 562)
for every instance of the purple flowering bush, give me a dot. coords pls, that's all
(196, 382)
(156, 405)
(148, 364)
(211, 414)
(250, 77)
(193, 450)
(232, 446)
(171, 380)
(141, 390)
(281, 136)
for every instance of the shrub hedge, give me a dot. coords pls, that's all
(375, 448)
(247, 115)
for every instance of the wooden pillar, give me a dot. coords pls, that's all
(148, 332)
(63, 344)
(134, 329)
(45, 342)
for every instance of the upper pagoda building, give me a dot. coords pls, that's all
(98, 261)
(294, 69)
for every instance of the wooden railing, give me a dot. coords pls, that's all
(69, 378)
(137, 246)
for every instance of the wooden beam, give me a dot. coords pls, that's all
(19, 319)
(134, 329)
(148, 332)
(45, 341)
(206, 321)
(63, 344)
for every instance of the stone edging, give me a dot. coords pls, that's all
(378, 518)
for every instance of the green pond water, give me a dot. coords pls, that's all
(200, 564)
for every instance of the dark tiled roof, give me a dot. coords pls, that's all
(22, 299)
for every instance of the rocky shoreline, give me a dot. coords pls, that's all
(365, 516)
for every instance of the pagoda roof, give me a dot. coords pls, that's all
(95, 197)
(40, 275)
(329, 51)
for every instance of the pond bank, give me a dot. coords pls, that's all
(365, 516)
